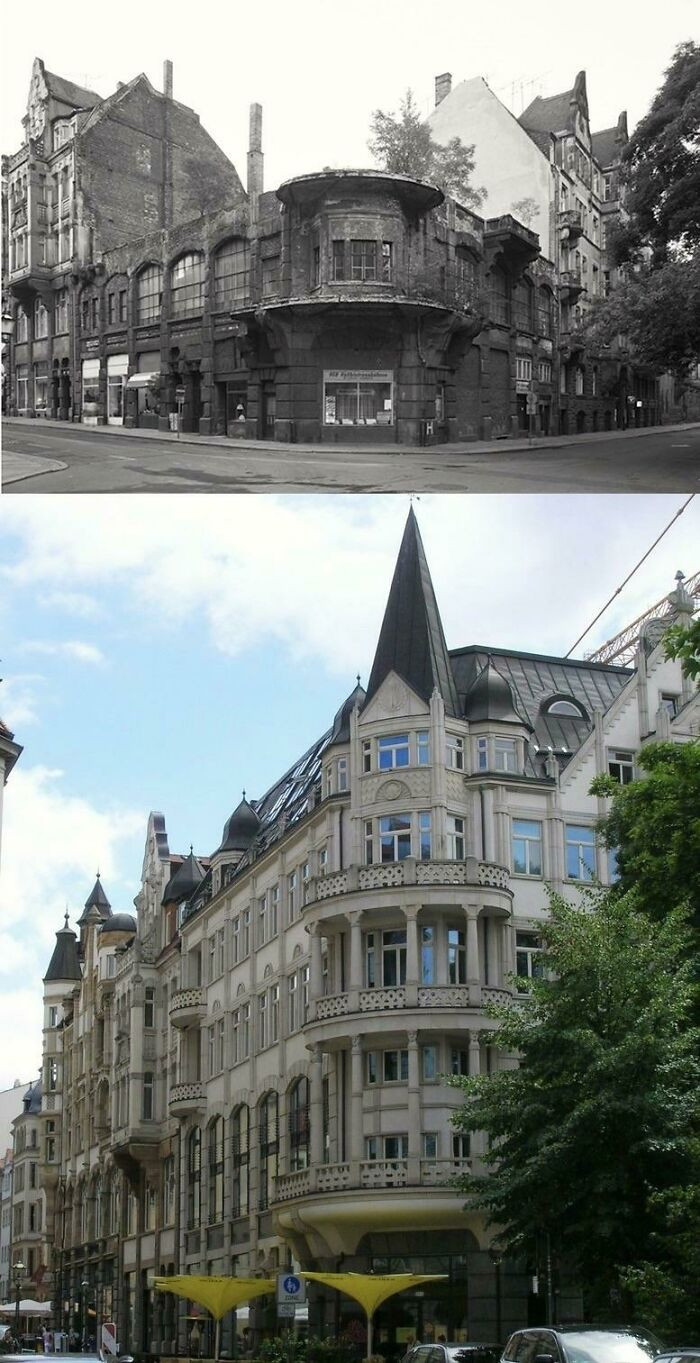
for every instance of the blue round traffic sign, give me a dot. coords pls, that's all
(291, 1284)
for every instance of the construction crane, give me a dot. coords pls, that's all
(622, 647)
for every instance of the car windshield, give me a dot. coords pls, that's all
(477, 1353)
(608, 1346)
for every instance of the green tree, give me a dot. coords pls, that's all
(664, 1292)
(654, 827)
(662, 160)
(683, 641)
(405, 146)
(659, 312)
(595, 1120)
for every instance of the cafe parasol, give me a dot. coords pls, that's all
(371, 1289)
(217, 1294)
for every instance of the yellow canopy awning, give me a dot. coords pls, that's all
(371, 1289)
(218, 1295)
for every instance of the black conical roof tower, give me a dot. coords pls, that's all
(64, 964)
(96, 899)
(186, 879)
(411, 640)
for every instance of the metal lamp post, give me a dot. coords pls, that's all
(18, 1272)
(496, 1259)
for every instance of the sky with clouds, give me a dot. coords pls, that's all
(320, 68)
(163, 653)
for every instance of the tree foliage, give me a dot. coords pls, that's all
(683, 641)
(659, 312)
(654, 826)
(406, 146)
(662, 160)
(594, 1125)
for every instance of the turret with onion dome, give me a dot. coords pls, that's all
(498, 730)
(240, 832)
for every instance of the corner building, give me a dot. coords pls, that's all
(250, 1071)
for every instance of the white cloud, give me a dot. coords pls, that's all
(67, 648)
(52, 841)
(73, 603)
(19, 701)
(313, 573)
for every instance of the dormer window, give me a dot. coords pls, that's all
(565, 707)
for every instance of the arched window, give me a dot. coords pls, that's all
(498, 297)
(194, 1178)
(465, 277)
(41, 320)
(149, 292)
(269, 1148)
(231, 266)
(22, 326)
(187, 284)
(298, 1120)
(240, 1150)
(215, 1152)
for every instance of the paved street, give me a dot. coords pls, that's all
(48, 457)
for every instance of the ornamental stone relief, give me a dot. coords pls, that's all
(392, 790)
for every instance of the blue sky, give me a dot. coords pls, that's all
(163, 653)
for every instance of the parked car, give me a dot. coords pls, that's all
(453, 1353)
(581, 1344)
(685, 1353)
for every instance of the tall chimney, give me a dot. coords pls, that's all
(443, 86)
(168, 79)
(255, 160)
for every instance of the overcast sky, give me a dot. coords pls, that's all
(320, 68)
(164, 652)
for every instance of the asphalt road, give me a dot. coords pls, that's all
(653, 460)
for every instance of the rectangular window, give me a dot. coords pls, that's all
(482, 754)
(668, 702)
(459, 1062)
(395, 837)
(147, 1108)
(390, 970)
(428, 1062)
(580, 852)
(342, 773)
(430, 1145)
(386, 1147)
(395, 1067)
(387, 261)
(41, 386)
(527, 951)
(338, 268)
(504, 754)
(122, 305)
(293, 1002)
(455, 838)
(292, 896)
(111, 309)
(392, 752)
(427, 959)
(371, 1063)
(523, 368)
(423, 748)
(425, 835)
(149, 1008)
(236, 940)
(53, 1015)
(545, 371)
(366, 756)
(456, 956)
(460, 1147)
(358, 397)
(274, 1013)
(363, 261)
(527, 847)
(454, 752)
(316, 266)
(621, 766)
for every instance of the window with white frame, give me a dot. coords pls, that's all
(621, 766)
(292, 895)
(22, 385)
(505, 754)
(147, 1111)
(523, 368)
(149, 1006)
(304, 980)
(385, 956)
(527, 847)
(294, 1021)
(423, 748)
(274, 1013)
(149, 292)
(240, 1150)
(388, 1067)
(386, 1147)
(429, 1145)
(187, 284)
(231, 274)
(263, 1021)
(241, 1033)
(545, 371)
(22, 327)
(580, 852)
(579, 376)
(455, 837)
(41, 320)
(454, 752)
(393, 751)
(342, 773)
(460, 1147)
(394, 837)
(459, 1061)
(456, 956)
(527, 953)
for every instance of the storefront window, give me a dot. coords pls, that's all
(358, 397)
(41, 384)
(91, 389)
(22, 385)
(117, 366)
(187, 284)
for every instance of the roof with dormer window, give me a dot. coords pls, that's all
(490, 698)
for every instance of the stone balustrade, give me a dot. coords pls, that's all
(351, 1176)
(395, 874)
(391, 999)
(187, 1006)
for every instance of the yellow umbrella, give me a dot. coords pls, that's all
(371, 1289)
(217, 1294)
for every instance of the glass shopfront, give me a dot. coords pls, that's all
(91, 391)
(117, 369)
(358, 397)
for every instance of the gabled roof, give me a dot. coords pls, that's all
(411, 640)
(64, 964)
(549, 115)
(608, 144)
(68, 93)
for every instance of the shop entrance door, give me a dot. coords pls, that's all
(236, 406)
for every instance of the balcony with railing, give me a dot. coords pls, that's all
(395, 998)
(354, 1176)
(571, 223)
(186, 1098)
(187, 1007)
(393, 875)
(571, 282)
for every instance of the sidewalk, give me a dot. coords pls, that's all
(509, 443)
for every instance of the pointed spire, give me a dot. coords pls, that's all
(411, 640)
(186, 879)
(64, 964)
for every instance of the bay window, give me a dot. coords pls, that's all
(385, 958)
(455, 838)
